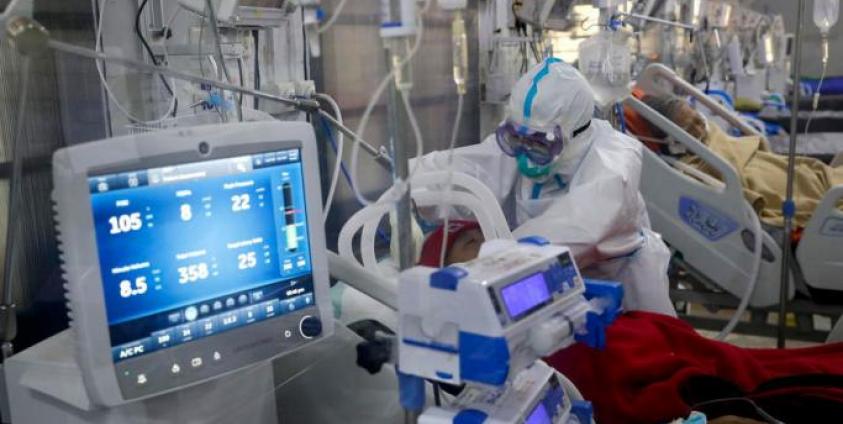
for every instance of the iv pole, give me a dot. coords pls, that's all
(788, 208)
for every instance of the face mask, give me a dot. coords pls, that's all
(529, 170)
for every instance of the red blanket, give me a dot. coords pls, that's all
(639, 377)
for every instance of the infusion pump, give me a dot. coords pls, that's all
(487, 323)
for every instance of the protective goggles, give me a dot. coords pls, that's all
(540, 147)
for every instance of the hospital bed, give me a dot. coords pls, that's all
(708, 222)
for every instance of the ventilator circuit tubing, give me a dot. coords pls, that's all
(753, 279)
(476, 198)
(364, 120)
(340, 143)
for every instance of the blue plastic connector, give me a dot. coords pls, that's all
(536, 240)
(583, 410)
(447, 278)
(610, 291)
(470, 416)
(411, 392)
(789, 209)
(595, 332)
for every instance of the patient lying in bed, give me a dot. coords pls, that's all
(763, 173)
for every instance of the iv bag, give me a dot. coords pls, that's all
(825, 14)
(605, 61)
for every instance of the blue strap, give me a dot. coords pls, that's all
(537, 191)
(560, 182)
(538, 187)
(534, 88)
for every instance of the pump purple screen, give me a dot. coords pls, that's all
(521, 297)
(538, 416)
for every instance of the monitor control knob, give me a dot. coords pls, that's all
(310, 327)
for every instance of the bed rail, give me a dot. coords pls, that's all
(733, 187)
(656, 75)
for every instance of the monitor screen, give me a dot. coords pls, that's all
(525, 295)
(539, 415)
(191, 250)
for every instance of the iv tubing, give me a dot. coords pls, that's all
(815, 103)
(361, 127)
(333, 19)
(414, 124)
(337, 165)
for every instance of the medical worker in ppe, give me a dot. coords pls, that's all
(560, 174)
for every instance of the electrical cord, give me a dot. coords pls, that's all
(257, 71)
(149, 51)
(100, 65)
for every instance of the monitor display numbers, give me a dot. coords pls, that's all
(184, 243)
(193, 273)
(240, 202)
(129, 288)
(247, 260)
(125, 223)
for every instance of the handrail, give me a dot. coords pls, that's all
(650, 81)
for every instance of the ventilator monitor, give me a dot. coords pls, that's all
(190, 253)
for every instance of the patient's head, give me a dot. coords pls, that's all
(680, 112)
(464, 241)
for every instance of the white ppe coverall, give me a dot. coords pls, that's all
(590, 202)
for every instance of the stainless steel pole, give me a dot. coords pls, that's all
(7, 308)
(401, 172)
(788, 207)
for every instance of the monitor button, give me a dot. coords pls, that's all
(175, 369)
(217, 356)
(141, 379)
(310, 327)
(196, 362)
